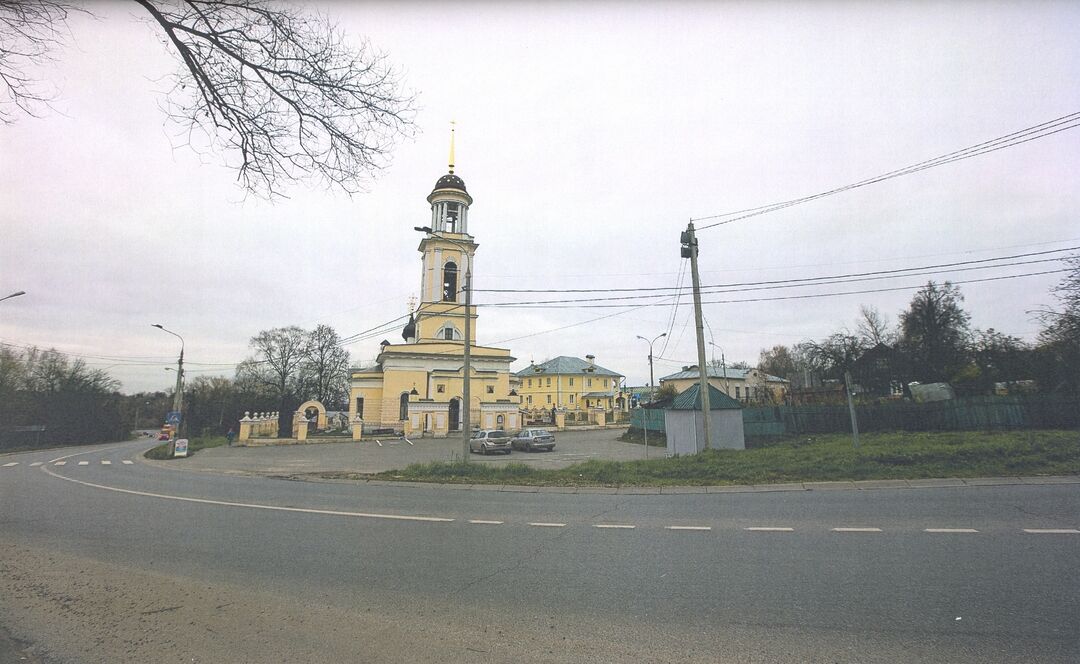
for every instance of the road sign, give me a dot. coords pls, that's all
(173, 417)
(180, 448)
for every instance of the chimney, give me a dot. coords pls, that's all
(591, 359)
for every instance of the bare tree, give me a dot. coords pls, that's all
(873, 327)
(328, 367)
(280, 356)
(279, 92)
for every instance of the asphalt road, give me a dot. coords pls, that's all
(138, 562)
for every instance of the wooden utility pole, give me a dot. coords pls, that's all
(690, 250)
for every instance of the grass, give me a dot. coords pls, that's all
(819, 458)
(161, 452)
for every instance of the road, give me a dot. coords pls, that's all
(107, 561)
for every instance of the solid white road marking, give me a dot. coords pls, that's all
(484, 521)
(13, 463)
(84, 463)
(770, 529)
(275, 508)
(949, 530)
(856, 530)
(614, 525)
(379, 442)
(547, 525)
(36, 463)
(60, 463)
(1052, 531)
(408, 441)
(106, 462)
(688, 527)
(128, 462)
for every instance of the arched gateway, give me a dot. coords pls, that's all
(320, 412)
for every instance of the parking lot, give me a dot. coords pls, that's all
(380, 455)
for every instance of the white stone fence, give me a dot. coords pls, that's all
(259, 425)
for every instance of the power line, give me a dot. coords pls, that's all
(1041, 130)
(768, 299)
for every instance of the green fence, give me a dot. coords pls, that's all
(964, 414)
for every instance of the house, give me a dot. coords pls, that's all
(744, 385)
(572, 384)
(685, 426)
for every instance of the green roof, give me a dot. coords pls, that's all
(566, 365)
(690, 399)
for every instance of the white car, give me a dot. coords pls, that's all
(487, 441)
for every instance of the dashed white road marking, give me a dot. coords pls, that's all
(128, 462)
(379, 442)
(60, 463)
(856, 530)
(486, 522)
(36, 463)
(1052, 531)
(106, 462)
(949, 530)
(770, 529)
(9, 465)
(688, 527)
(541, 524)
(617, 526)
(84, 463)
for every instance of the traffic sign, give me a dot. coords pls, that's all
(173, 417)
(180, 448)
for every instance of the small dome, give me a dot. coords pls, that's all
(410, 329)
(450, 181)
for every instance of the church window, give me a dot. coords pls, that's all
(403, 410)
(453, 213)
(360, 407)
(448, 333)
(499, 419)
(450, 282)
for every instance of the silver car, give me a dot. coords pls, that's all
(487, 441)
(532, 440)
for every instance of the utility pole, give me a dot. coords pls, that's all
(466, 430)
(851, 409)
(690, 250)
(652, 387)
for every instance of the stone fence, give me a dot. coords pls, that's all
(259, 425)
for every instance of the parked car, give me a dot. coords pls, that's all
(532, 440)
(486, 441)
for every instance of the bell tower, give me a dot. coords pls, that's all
(447, 254)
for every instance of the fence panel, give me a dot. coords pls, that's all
(654, 417)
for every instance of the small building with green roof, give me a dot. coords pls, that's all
(685, 426)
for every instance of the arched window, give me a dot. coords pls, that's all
(450, 282)
(403, 411)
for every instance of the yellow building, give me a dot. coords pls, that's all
(416, 386)
(745, 385)
(571, 384)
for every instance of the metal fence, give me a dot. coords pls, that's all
(964, 414)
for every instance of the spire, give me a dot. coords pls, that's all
(451, 146)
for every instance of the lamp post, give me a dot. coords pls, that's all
(466, 428)
(137, 407)
(178, 398)
(15, 294)
(723, 367)
(652, 388)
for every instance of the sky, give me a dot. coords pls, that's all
(588, 134)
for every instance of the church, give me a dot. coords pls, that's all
(416, 386)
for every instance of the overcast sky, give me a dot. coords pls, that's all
(588, 134)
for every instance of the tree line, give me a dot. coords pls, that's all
(933, 341)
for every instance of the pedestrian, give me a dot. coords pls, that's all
(230, 436)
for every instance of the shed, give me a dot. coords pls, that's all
(686, 428)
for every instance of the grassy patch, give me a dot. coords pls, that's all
(818, 458)
(161, 452)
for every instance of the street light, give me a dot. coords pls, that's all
(652, 388)
(15, 294)
(178, 398)
(466, 429)
(723, 367)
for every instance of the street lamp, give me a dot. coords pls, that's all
(15, 294)
(178, 398)
(652, 388)
(723, 367)
(466, 429)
